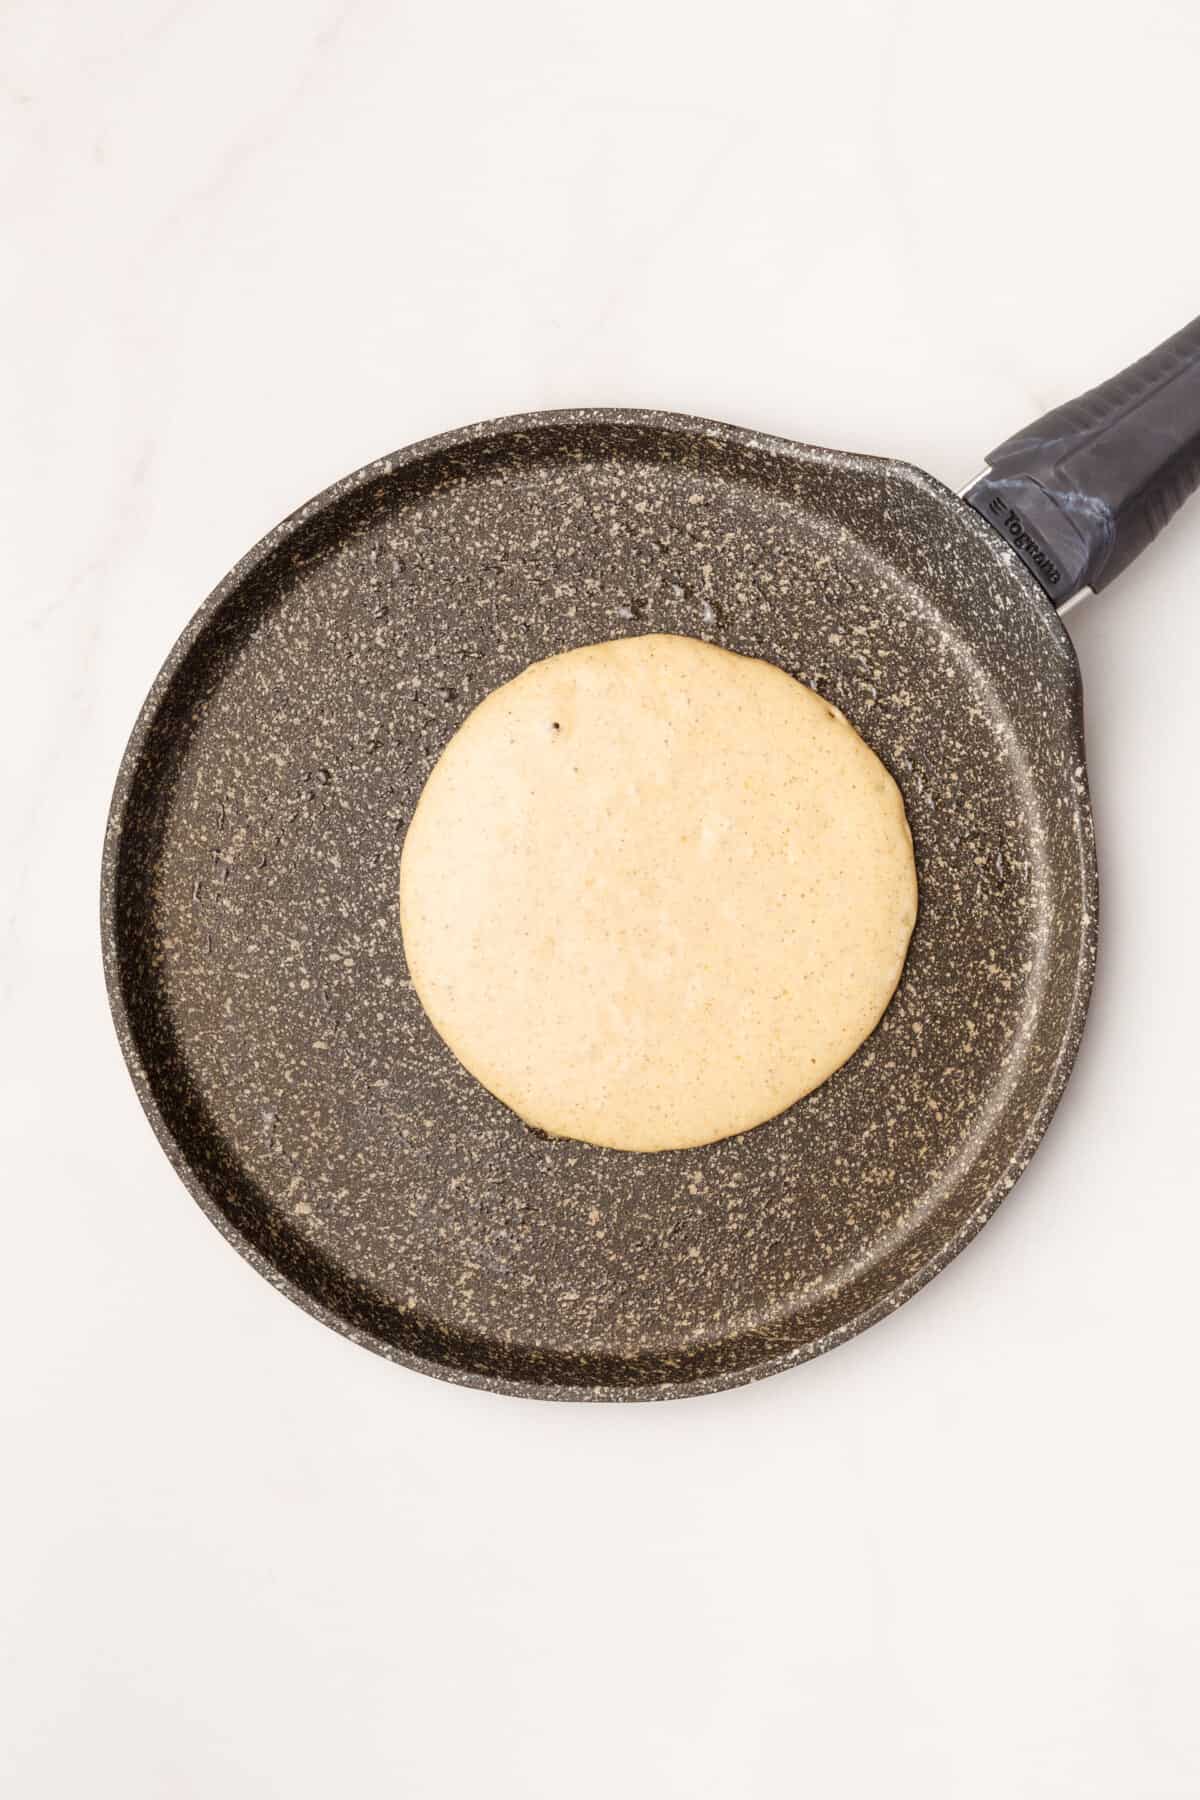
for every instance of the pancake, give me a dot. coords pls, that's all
(655, 892)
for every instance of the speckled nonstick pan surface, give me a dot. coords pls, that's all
(254, 955)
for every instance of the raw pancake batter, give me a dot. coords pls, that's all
(653, 892)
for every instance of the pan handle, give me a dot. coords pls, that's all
(1083, 490)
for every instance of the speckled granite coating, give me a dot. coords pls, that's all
(251, 933)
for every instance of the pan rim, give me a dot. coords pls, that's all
(132, 759)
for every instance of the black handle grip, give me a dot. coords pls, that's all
(1084, 489)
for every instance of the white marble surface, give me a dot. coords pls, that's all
(247, 247)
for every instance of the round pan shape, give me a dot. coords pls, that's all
(254, 957)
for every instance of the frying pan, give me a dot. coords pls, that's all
(251, 940)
